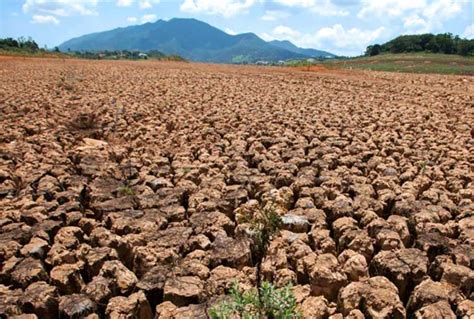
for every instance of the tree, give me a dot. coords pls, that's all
(425, 39)
(8, 43)
(465, 47)
(373, 50)
(445, 43)
(433, 45)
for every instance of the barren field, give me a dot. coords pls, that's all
(128, 189)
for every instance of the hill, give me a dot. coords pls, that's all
(287, 45)
(434, 43)
(190, 38)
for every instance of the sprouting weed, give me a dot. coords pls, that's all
(266, 302)
(126, 191)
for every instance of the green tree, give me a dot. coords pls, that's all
(372, 50)
(465, 47)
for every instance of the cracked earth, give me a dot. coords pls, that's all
(126, 189)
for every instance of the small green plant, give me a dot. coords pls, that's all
(264, 227)
(126, 191)
(423, 167)
(266, 302)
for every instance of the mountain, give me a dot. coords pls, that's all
(287, 45)
(190, 38)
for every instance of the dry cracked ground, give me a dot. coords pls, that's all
(125, 188)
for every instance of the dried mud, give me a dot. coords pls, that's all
(125, 188)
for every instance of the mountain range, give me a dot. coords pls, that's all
(193, 40)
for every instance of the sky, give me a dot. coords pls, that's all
(344, 27)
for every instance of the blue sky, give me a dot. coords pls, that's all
(341, 26)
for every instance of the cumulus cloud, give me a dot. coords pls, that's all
(124, 3)
(282, 32)
(225, 8)
(148, 18)
(469, 32)
(343, 39)
(147, 4)
(443, 9)
(416, 24)
(389, 7)
(230, 31)
(418, 15)
(336, 38)
(296, 3)
(142, 4)
(274, 15)
(143, 19)
(285, 32)
(266, 36)
(320, 7)
(62, 8)
(44, 19)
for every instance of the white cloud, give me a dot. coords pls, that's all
(61, 8)
(273, 15)
(144, 4)
(143, 19)
(124, 3)
(148, 18)
(469, 32)
(419, 16)
(344, 39)
(320, 7)
(230, 31)
(284, 32)
(336, 39)
(416, 24)
(296, 3)
(44, 19)
(267, 37)
(391, 8)
(225, 8)
(443, 9)
(414, 21)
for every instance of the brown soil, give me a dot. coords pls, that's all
(125, 187)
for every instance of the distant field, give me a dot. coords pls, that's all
(410, 63)
(38, 54)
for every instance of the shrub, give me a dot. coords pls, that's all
(268, 302)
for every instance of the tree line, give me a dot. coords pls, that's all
(26, 44)
(436, 43)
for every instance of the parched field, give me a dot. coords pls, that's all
(127, 189)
